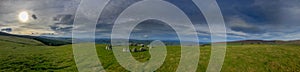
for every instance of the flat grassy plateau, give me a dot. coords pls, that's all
(19, 54)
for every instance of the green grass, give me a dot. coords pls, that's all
(26, 57)
(18, 40)
(32, 56)
(262, 58)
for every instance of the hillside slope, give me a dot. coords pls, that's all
(19, 40)
(43, 40)
(242, 42)
(19, 57)
(27, 55)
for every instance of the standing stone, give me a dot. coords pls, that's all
(149, 46)
(126, 50)
(108, 47)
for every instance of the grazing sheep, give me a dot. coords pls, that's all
(134, 50)
(142, 45)
(143, 49)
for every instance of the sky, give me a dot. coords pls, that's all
(244, 19)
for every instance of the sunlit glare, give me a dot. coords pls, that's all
(23, 16)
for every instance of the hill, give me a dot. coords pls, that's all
(242, 42)
(18, 54)
(146, 42)
(46, 41)
(19, 40)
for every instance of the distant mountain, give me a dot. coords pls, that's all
(167, 42)
(66, 39)
(264, 42)
(108, 41)
(45, 40)
(57, 41)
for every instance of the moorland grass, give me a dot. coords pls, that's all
(239, 58)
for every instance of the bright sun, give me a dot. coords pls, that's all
(23, 16)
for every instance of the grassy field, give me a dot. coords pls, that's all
(29, 55)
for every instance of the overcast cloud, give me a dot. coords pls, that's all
(245, 19)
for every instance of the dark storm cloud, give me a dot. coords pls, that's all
(248, 29)
(190, 9)
(64, 19)
(245, 19)
(6, 30)
(262, 19)
(253, 13)
(114, 8)
(238, 24)
(153, 29)
(63, 23)
(111, 11)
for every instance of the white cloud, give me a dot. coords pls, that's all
(44, 10)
